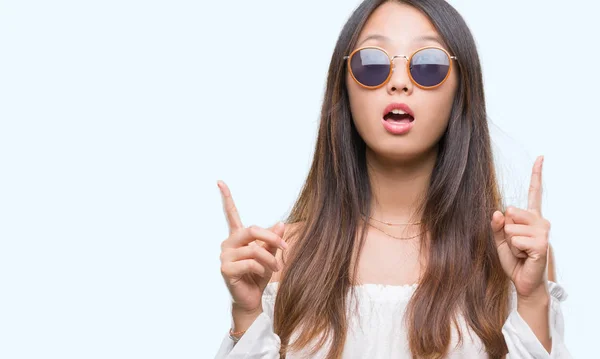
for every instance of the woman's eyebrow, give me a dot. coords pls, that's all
(375, 37)
(426, 38)
(423, 38)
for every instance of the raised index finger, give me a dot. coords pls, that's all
(535, 188)
(229, 208)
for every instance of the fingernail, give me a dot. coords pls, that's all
(284, 245)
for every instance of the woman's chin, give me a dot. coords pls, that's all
(394, 153)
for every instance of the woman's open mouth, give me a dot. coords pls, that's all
(398, 116)
(397, 122)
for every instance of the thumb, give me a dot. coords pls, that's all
(507, 259)
(279, 229)
(498, 221)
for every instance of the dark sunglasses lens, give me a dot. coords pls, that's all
(429, 67)
(370, 67)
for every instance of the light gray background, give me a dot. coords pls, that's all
(118, 117)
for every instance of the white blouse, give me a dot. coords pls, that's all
(377, 330)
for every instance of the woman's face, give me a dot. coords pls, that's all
(402, 30)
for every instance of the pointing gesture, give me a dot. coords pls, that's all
(231, 213)
(248, 257)
(521, 237)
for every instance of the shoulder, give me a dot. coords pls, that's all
(289, 236)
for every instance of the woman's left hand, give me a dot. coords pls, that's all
(521, 237)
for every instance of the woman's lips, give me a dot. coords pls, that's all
(397, 127)
(397, 118)
(400, 106)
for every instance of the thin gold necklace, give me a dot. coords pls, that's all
(384, 232)
(392, 224)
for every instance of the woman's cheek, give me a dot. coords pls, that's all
(363, 116)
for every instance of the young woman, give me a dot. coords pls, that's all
(399, 245)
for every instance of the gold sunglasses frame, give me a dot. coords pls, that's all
(408, 59)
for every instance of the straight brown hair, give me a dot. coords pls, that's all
(463, 273)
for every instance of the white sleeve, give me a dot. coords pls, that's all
(522, 342)
(258, 342)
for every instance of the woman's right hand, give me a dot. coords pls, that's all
(248, 257)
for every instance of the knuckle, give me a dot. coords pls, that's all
(249, 266)
(256, 268)
(224, 256)
(232, 208)
(255, 250)
(533, 187)
(224, 270)
(255, 242)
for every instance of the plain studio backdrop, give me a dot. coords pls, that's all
(118, 118)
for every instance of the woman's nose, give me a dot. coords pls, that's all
(399, 79)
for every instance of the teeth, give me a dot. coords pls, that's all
(397, 111)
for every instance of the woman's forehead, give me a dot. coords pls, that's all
(418, 40)
(396, 25)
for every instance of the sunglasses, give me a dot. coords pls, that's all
(428, 67)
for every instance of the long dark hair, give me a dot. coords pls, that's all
(463, 272)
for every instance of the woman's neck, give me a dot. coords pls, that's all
(397, 187)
